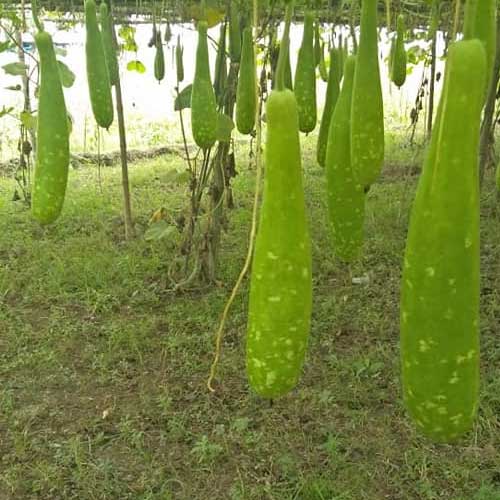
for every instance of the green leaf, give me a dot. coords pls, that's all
(225, 127)
(15, 68)
(136, 66)
(160, 230)
(67, 76)
(183, 100)
(28, 120)
(4, 46)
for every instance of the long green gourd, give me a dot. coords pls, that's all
(323, 72)
(288, 73)
(220, 78)
(398, 55)
(179, 60)
(346, 197)
(108, 42)
(367, 121)
(246, 93)
(497, 177)
(159, 66)
(52, 155)
(234, 32)
(305, 78)
(440, 283)
(97, 69)
(281, 285)
(203, 103)
(332, 94)
(342, 54)
(485, 29)
(317, 44)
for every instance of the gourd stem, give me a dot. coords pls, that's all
(284, 50)
(36, 19)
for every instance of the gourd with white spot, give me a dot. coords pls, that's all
(440, 283)
(52, 155)
(305, 78)
(367, 118)
(281, 285)
(346, 197)
(246, 94)
(203, 103)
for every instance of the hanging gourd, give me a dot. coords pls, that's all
(346, 197)
(440, 282)
(367, 121)
(159, 66)
(203, 104)
(107, 27)
(234, 32)
(341, 57)
(281, 286)
(332, 94)
(52, 154)
(305, 78)
(221, 66)
(323, 72)
(398, 54)
(485, 29)
(97, 69)
(497, 177)
(246, 94)
(179, 60)
(317, 44)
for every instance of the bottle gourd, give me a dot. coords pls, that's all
(305, 78)
(203, 104)
(440, 283)
(97, 69)
(346, 196)
(52, 155)
(398, 55)
(246, 93)
(281, 285)
(332, 94)
(159, 66)
(108, 42)
(367, 120)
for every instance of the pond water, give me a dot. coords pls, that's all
(149, 106)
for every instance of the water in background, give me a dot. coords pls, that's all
(149, 106)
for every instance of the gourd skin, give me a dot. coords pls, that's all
(109, 43)
(52, 155)
(246, 93)
(159, 59)
(399, 57)
(440, 283)
(486, 31)
(332, 94)
(97, 69)
(367, 120)
(346, 197)
(281, 284)
(203, 104)
(317, 44)
(305, 78)
(497, 177)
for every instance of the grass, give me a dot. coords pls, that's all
(103, 369)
